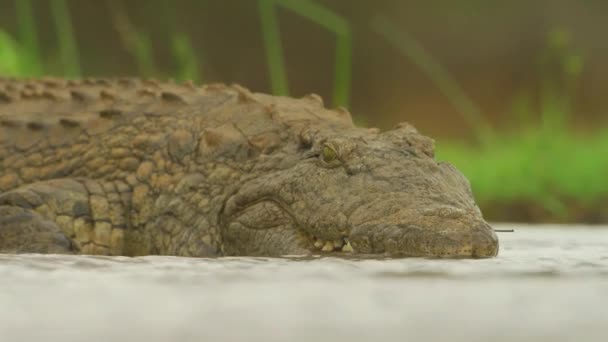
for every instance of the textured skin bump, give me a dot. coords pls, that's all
(137, 167)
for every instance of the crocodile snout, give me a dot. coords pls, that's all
(484, 241)
(407, 233)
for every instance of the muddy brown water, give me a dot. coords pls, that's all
(549, 283)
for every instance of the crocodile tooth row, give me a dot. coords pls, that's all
(333, 246)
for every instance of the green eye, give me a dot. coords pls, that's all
(329, 154)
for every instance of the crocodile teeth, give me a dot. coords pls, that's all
(347, 247)
(328, 247)
(332, 246)
(319, 244)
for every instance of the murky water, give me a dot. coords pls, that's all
(548, 284)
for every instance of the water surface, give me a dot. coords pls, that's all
(548, 284)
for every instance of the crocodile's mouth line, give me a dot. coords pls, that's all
(316, 243)
(328, 246)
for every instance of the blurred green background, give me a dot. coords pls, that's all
(513, 92)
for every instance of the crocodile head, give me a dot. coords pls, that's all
(357, 192)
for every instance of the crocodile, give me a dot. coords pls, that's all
(132, 167)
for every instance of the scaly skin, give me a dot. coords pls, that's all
(130, 167)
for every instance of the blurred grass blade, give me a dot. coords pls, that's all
(67, 43)
(31, 63)
(186, 58)
(274, 48)
(560, 69)
(136, 42)
(9, 56)
(438, 75)
(141, 49)
(320, 16)
(342, 76)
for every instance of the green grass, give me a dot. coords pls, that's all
(318, 15)
(185, 58)
(548, 168)
(541, 162)
(30, 53)
(136, 42)
(22, 57)
(10, 55)
(68, 48)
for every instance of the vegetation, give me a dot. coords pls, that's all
(317, 15)
(551, 168)
(541, 160)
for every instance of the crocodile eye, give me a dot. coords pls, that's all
(329, 154)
